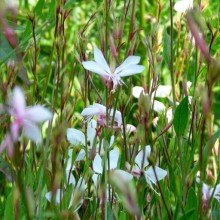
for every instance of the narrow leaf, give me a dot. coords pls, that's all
(181, 117)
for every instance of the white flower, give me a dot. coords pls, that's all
(127, 68)
(100, 111)
(98, 163)
(25, 118)
(141, 162)
(183, 5)
(162, 91)
(207, 192)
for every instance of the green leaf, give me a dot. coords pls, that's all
(39, 7)
(166, 47)
(9, 209)
(181, 117)
(192, 204)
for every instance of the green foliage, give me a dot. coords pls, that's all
(181, 117)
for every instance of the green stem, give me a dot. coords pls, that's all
(171, 55)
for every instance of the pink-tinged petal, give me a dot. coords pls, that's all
(7, 143)
(32, 131)
(131, 60)
(93, 110)
(38, 114)
(18, 102)
(113, 157)
(75, 136)
(117, 118)
(131, 70)
(97, 164)
(15, 127)
(100, 59)
(206, 192)
(95, 68)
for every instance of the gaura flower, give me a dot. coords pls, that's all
(25, 119)
(207, 192)
(162, 92)
(183, 5)
(141, 162)
(100, 111)
(127, 68)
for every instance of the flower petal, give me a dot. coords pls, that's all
(159, 106)
(131, 70)
(18, 101)
(32, 131)
(113, 157)
(95, 68)
(38, 114)
(163, 91)
(100, 59)
(92, 110)
(140, 156)
(75, 136)
(91, 131)
(97, 164)
(183, 5)
(137, 90)
(57, 196)
(131, 60)
(159, 172)
(127, 177)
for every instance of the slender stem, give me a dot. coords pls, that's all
(171, 55)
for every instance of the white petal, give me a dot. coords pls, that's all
(100, 59)
(97, 164)
(57, 196)
(117, 118)
(18, 101)
(113, 157)
(92, 110)
(81, 155)
(131, 129)
(112, 139)
(131, 60)
(127, 177)
(95, 68)
(216, 194)
(75, 136)
(159, 106)
(91, 131)
(38, 114)
(206, 191)
(183, 5)
(159, 172)
(137, 90)
(163, 91)
(70, 177)
(32, 131)
(131, 70)
(95, 178)
(81, 185)
(140, 156)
